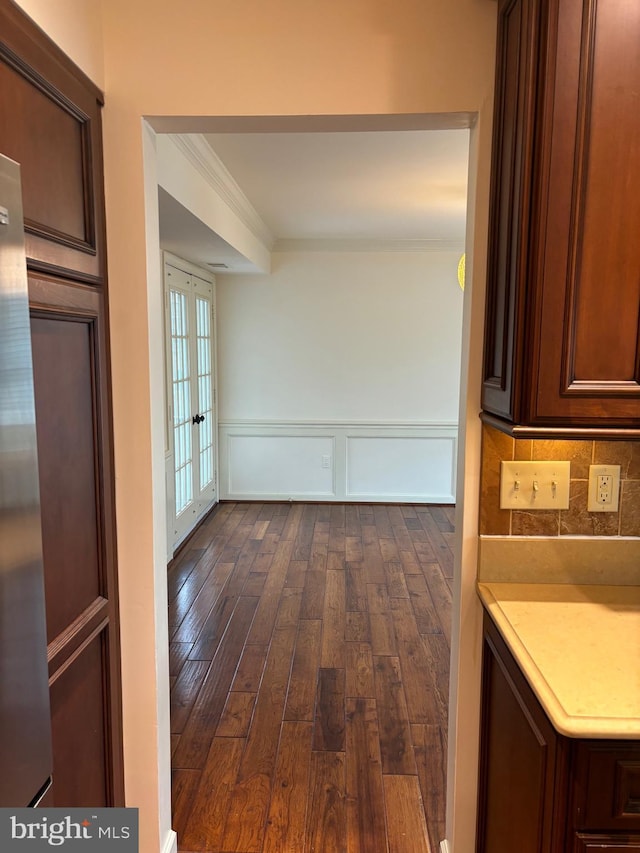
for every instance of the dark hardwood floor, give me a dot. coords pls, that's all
(309, 671)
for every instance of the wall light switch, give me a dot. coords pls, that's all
(534, 485)
(326, 461)
(604, 488)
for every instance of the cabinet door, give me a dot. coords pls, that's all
(587, 362)
(50, 124)
(513, 134)
(519, 807)
(69, 366)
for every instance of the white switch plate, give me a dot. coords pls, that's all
(534, 485)
(604, 488)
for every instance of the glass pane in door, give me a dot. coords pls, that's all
(181, 378)
(205, 390)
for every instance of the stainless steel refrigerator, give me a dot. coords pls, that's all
(25, 728)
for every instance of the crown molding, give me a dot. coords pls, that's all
(200, 154)
(346, 244)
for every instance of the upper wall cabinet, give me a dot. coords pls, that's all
(50, 124)
(562, 338)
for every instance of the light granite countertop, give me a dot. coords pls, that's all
(579, 648)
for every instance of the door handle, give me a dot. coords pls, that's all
(197, 419)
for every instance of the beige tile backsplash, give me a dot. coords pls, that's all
(575, 521)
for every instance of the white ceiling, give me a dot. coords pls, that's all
(369, 187)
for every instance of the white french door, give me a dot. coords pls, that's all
(191, 458)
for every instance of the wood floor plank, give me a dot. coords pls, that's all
(333, 621)
(181, 570)
(389, 550)
(185, 692)
(286, 820)
(356, 590)
(296, 575)
(304, 535)
(396, 582)
(204, 830)
(406, 824)
(184, 784)
(416, 666)
(383, 641)
(443, 553)
(250, 668)
(359, 671)
(251, 796)
(313, 593)
(213, 628)
(328, 729)
(410, 563)
(372, 561)
(395, 736)
(206, 712)
(357, 628)
(294, 517)
(190, 627)
(366, 831)
(178, 653)
(301, 696)
(383, 525)
(430, 748)
(254, 584)
(441, 518)
(441, 597)
(438, 655)
(289, 608)
(352, 521)
(424, 610)
(326, 826)
(236, 715)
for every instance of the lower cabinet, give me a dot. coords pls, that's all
(542, 792)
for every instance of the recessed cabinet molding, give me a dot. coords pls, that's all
(562, 347)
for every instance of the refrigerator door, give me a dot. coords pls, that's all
(25, 728)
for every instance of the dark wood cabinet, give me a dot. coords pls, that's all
(562, 337)
(542, 792)
(50, 124)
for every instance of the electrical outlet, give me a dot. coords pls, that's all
(604, 488)
(534, 485)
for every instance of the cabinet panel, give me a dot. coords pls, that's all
(64, 392)
(608, 786)
(510, 201)
(78, 723)
(588, 274)
(516, 806)
(50, 124)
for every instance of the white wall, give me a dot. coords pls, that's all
(368, 336)
(339, 377)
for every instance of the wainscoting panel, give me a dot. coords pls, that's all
(338, 461)
(400, 467)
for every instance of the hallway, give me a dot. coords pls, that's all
(309, 661)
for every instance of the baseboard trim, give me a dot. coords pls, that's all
(170, 843)
(444, 846)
